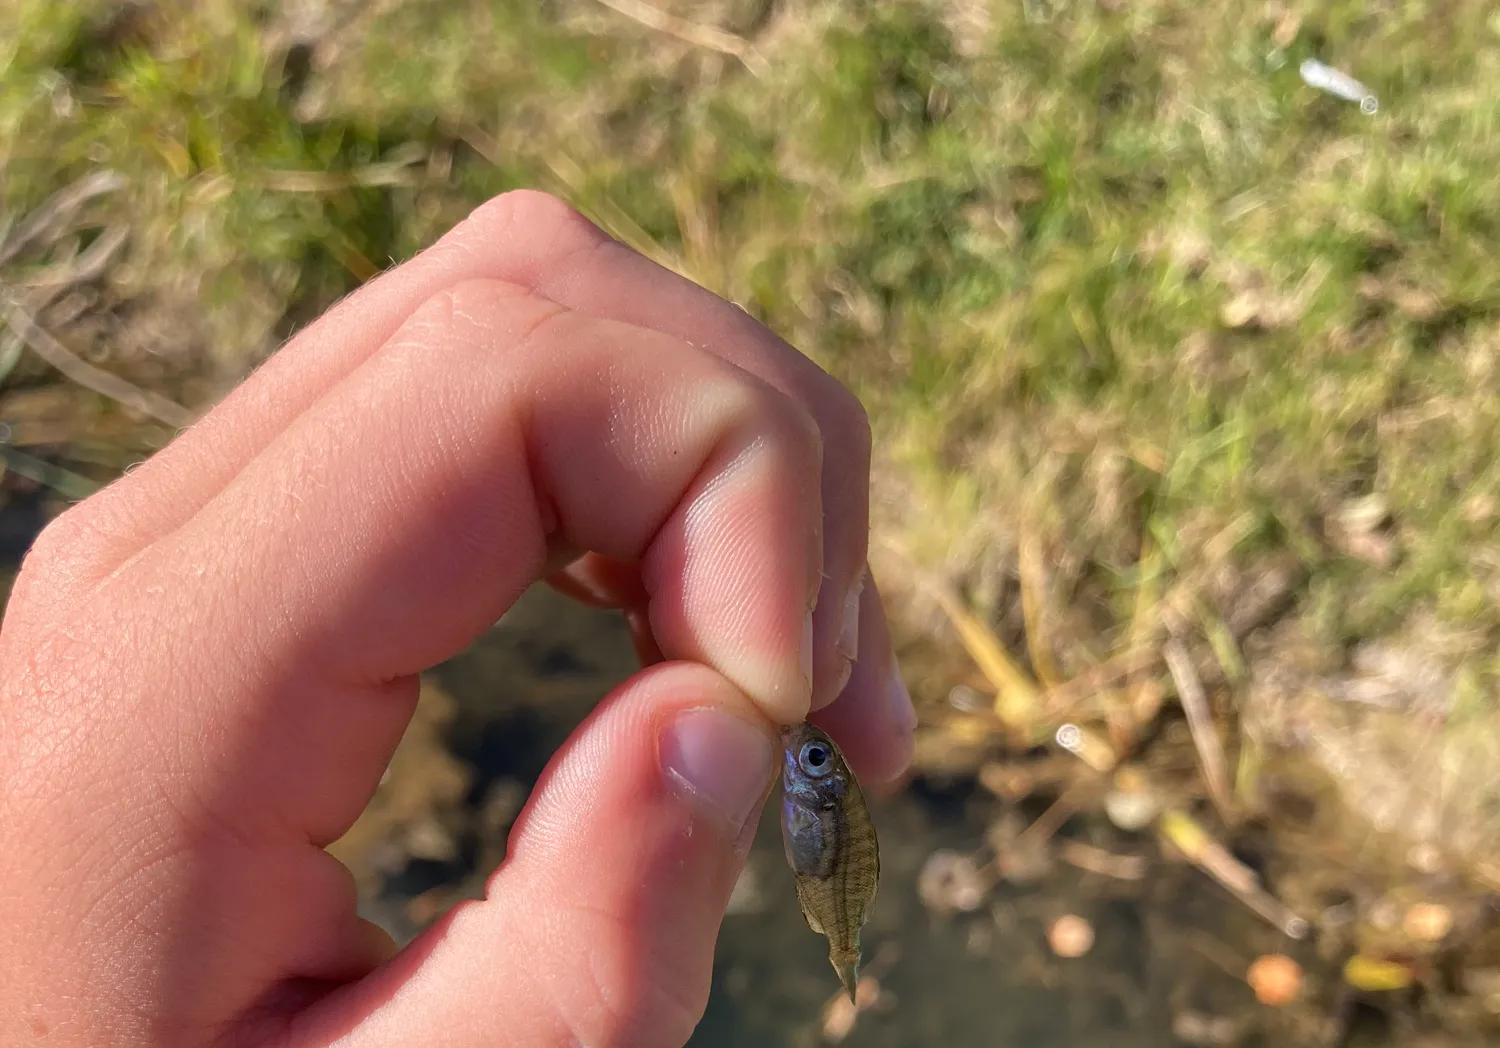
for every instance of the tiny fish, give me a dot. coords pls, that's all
(830, 844)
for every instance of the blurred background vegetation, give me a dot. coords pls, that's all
(1164, 350)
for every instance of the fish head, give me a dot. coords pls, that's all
(812, 762)
(813, 770)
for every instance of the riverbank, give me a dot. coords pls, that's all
(1183, 373)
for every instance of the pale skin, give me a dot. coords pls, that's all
(205, 667)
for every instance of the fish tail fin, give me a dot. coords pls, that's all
(848, 969)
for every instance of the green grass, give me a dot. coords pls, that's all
(1014, 228)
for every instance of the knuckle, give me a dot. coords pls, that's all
(800, 427)
(451, 306)
(439, 312)
(532, 216)
(63, 536)
(472, 312)
(437, 322)
(60, 556)
(789, 429)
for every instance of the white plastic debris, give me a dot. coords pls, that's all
(1326, 78)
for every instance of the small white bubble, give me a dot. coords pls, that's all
(966, 699)
(1070, 737)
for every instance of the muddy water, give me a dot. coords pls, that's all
(1170, 953)
(979, 978)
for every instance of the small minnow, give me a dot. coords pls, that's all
(830, 844)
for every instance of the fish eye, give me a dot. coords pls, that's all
(815, 759)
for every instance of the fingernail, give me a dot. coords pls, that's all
(841, 679)
(848, 642)
(806, 652)
(898, 701)
(718, 760)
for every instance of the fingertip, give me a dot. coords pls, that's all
(719, 761)
(599, 928)
(643, 821)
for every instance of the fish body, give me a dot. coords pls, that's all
(830, 844)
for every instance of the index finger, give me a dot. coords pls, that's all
(397, 519)
(537, 242)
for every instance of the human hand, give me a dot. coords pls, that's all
(205, 667)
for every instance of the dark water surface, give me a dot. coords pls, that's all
(1169, 944)
(983, 979)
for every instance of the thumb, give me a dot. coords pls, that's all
(599, 927)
